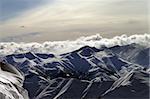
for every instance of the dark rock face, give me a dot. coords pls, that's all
(121, 72)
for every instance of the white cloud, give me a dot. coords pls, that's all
(60, 47)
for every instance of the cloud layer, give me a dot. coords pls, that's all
(60, 47)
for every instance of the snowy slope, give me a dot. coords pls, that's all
(11, 82)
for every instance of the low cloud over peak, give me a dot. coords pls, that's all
(60, 47)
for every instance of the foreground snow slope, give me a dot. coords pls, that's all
(11, 82)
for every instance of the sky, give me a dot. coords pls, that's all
(53, 20)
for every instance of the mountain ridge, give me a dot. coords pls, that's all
(47, 73)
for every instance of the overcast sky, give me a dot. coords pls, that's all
(42, 20)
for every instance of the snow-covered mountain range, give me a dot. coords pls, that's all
(89, 72)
